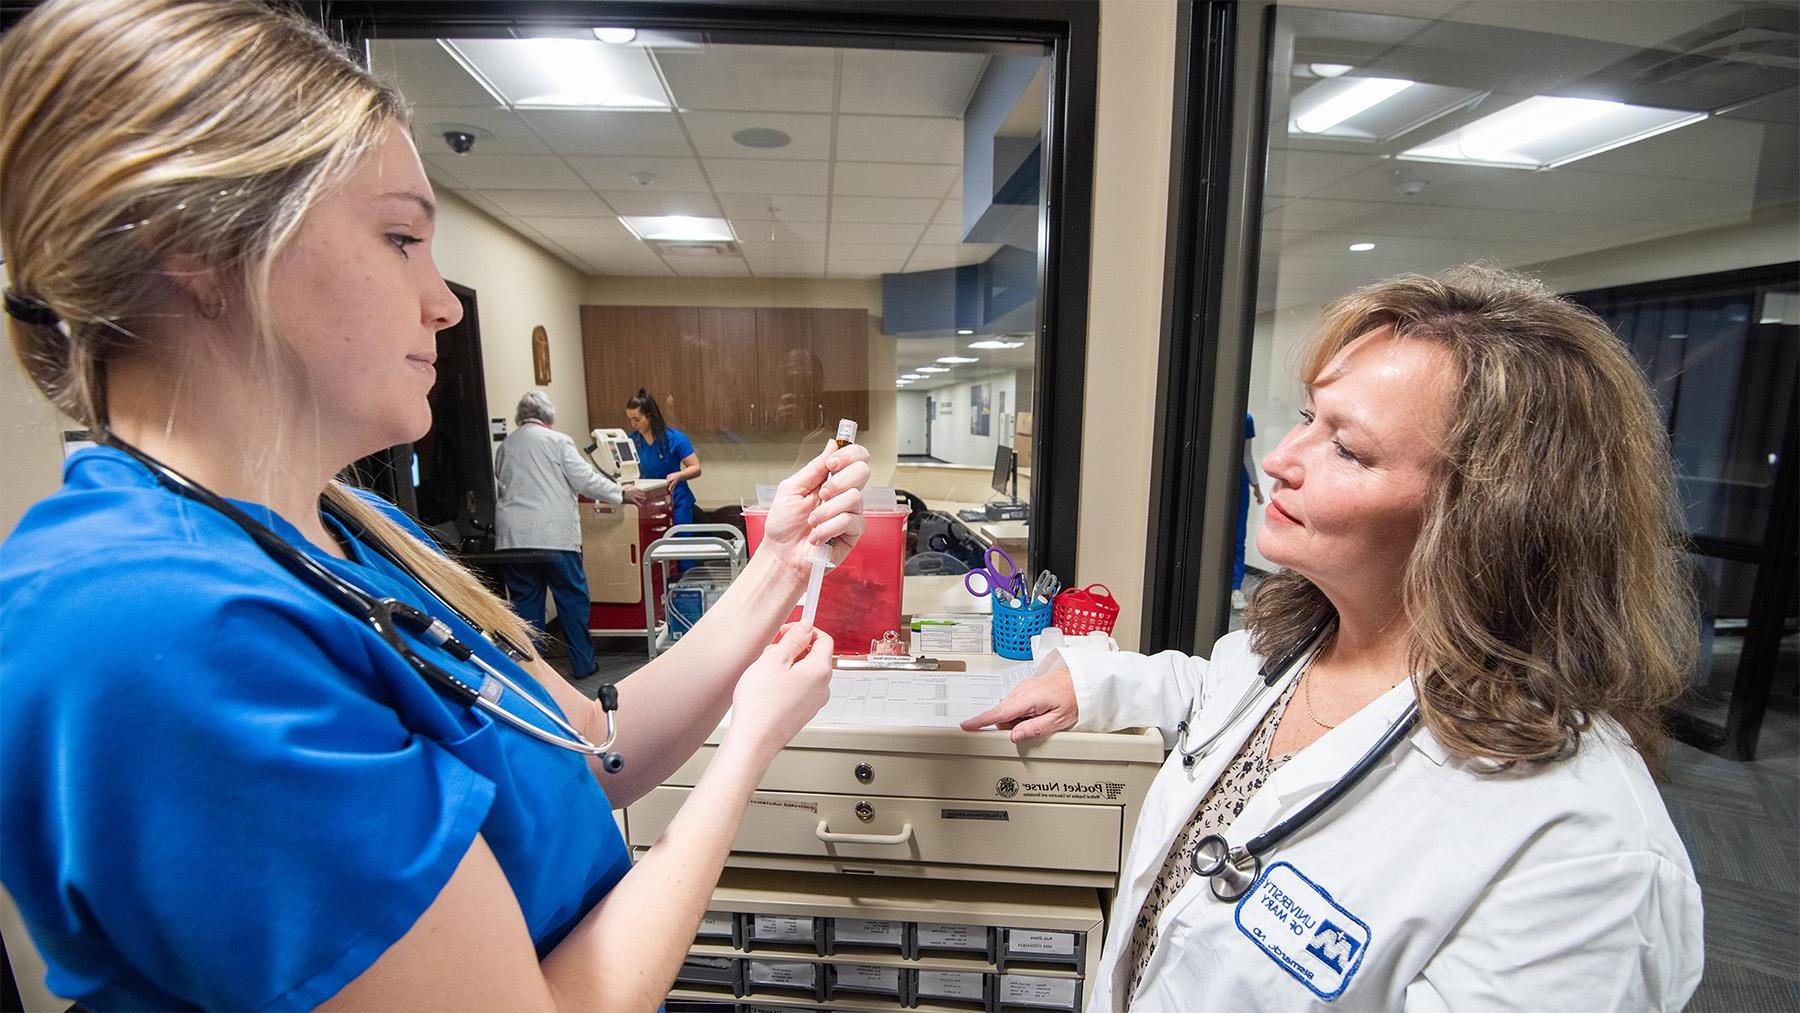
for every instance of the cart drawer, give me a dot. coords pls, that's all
(1040, 835)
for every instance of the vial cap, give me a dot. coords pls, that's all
(846, 430)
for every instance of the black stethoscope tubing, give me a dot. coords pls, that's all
(1231, 872)
(388, 616)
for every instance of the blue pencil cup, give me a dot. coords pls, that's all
(1015, 625)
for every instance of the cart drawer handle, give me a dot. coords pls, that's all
(825, 834)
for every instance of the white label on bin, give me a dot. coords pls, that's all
(715, 923)
(869, 978)
(950, 985)
(952, 937)
(778, 929)
(1060, 944)
(867, 932)
(1031, 990)
(792, 974)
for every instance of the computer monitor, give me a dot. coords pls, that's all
(1006, 473)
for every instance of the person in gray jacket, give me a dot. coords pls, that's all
(540, 472)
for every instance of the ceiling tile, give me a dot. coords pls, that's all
(426, 74)
(645, 202)
(907, 82)
(853, 232)
(787, 271)
(900, 139)
(611, 132)
(758, 250)
(704, 267)
(781, 233)
(712, 134)
(903, 210)
(598, 229)
(616, 173)
(866, 179)
(510, 172)
(949, 214)
(547, 203)
(751, 175)
(757, 207)
(759, 78)
(870, 251)
(497, 131)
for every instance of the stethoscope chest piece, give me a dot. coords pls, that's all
(1230, 872)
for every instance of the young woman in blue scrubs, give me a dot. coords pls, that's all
(663, 452)
(224, 788)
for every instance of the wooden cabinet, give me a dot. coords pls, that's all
(729, 369)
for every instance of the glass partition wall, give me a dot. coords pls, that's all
(1644, 164)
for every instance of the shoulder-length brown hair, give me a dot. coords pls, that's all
(1547, 587)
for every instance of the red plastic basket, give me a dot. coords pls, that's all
(1080, 611)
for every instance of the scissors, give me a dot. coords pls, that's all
(997, 575)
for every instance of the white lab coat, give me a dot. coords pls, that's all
(540, 472)
(1432, 886)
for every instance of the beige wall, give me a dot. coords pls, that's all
(1131, 186)
(517, 287)
(730, 470)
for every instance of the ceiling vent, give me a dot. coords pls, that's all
(690, 248)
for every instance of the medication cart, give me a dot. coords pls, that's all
(889, 860)
(612, 553)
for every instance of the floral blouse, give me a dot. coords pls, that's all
(1242, 778)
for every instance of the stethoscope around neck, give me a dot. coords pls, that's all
(391, 618)
(1232, 871)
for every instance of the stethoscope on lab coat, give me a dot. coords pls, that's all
(390, 617)
(1232, 871)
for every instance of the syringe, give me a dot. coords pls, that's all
(821, 558)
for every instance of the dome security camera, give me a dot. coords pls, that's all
(460, 141)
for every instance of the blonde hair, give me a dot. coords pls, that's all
(1547, 586)
(134, 131)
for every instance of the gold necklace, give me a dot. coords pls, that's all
(1306, 695)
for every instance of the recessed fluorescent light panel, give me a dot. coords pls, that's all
(616, 36)
(562, 73)
(934, 369)
(995, 343)
(957, 360)
(964, 330)
(909, 377)
(680, 228)
(1370, 108)
(1361, 247)
(1546, 131)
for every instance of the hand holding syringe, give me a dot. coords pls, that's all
(821, 557)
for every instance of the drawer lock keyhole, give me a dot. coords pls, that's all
(865, 811)
(865, 773)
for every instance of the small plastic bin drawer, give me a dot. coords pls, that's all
(948, 937)
(1042, 946)
(1037, 991)
(793, 933)
(716, 972)
(881, 980)
(967, 989)
(718, 927)
(865, 934)
(793, 977)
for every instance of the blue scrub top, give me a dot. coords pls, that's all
(662, 459)
(222, 791)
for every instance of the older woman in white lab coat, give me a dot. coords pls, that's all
(1471, 514)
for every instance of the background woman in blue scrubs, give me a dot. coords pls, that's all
(663, 452)
(221, 790)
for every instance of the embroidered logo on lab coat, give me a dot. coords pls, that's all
(1311, 936)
